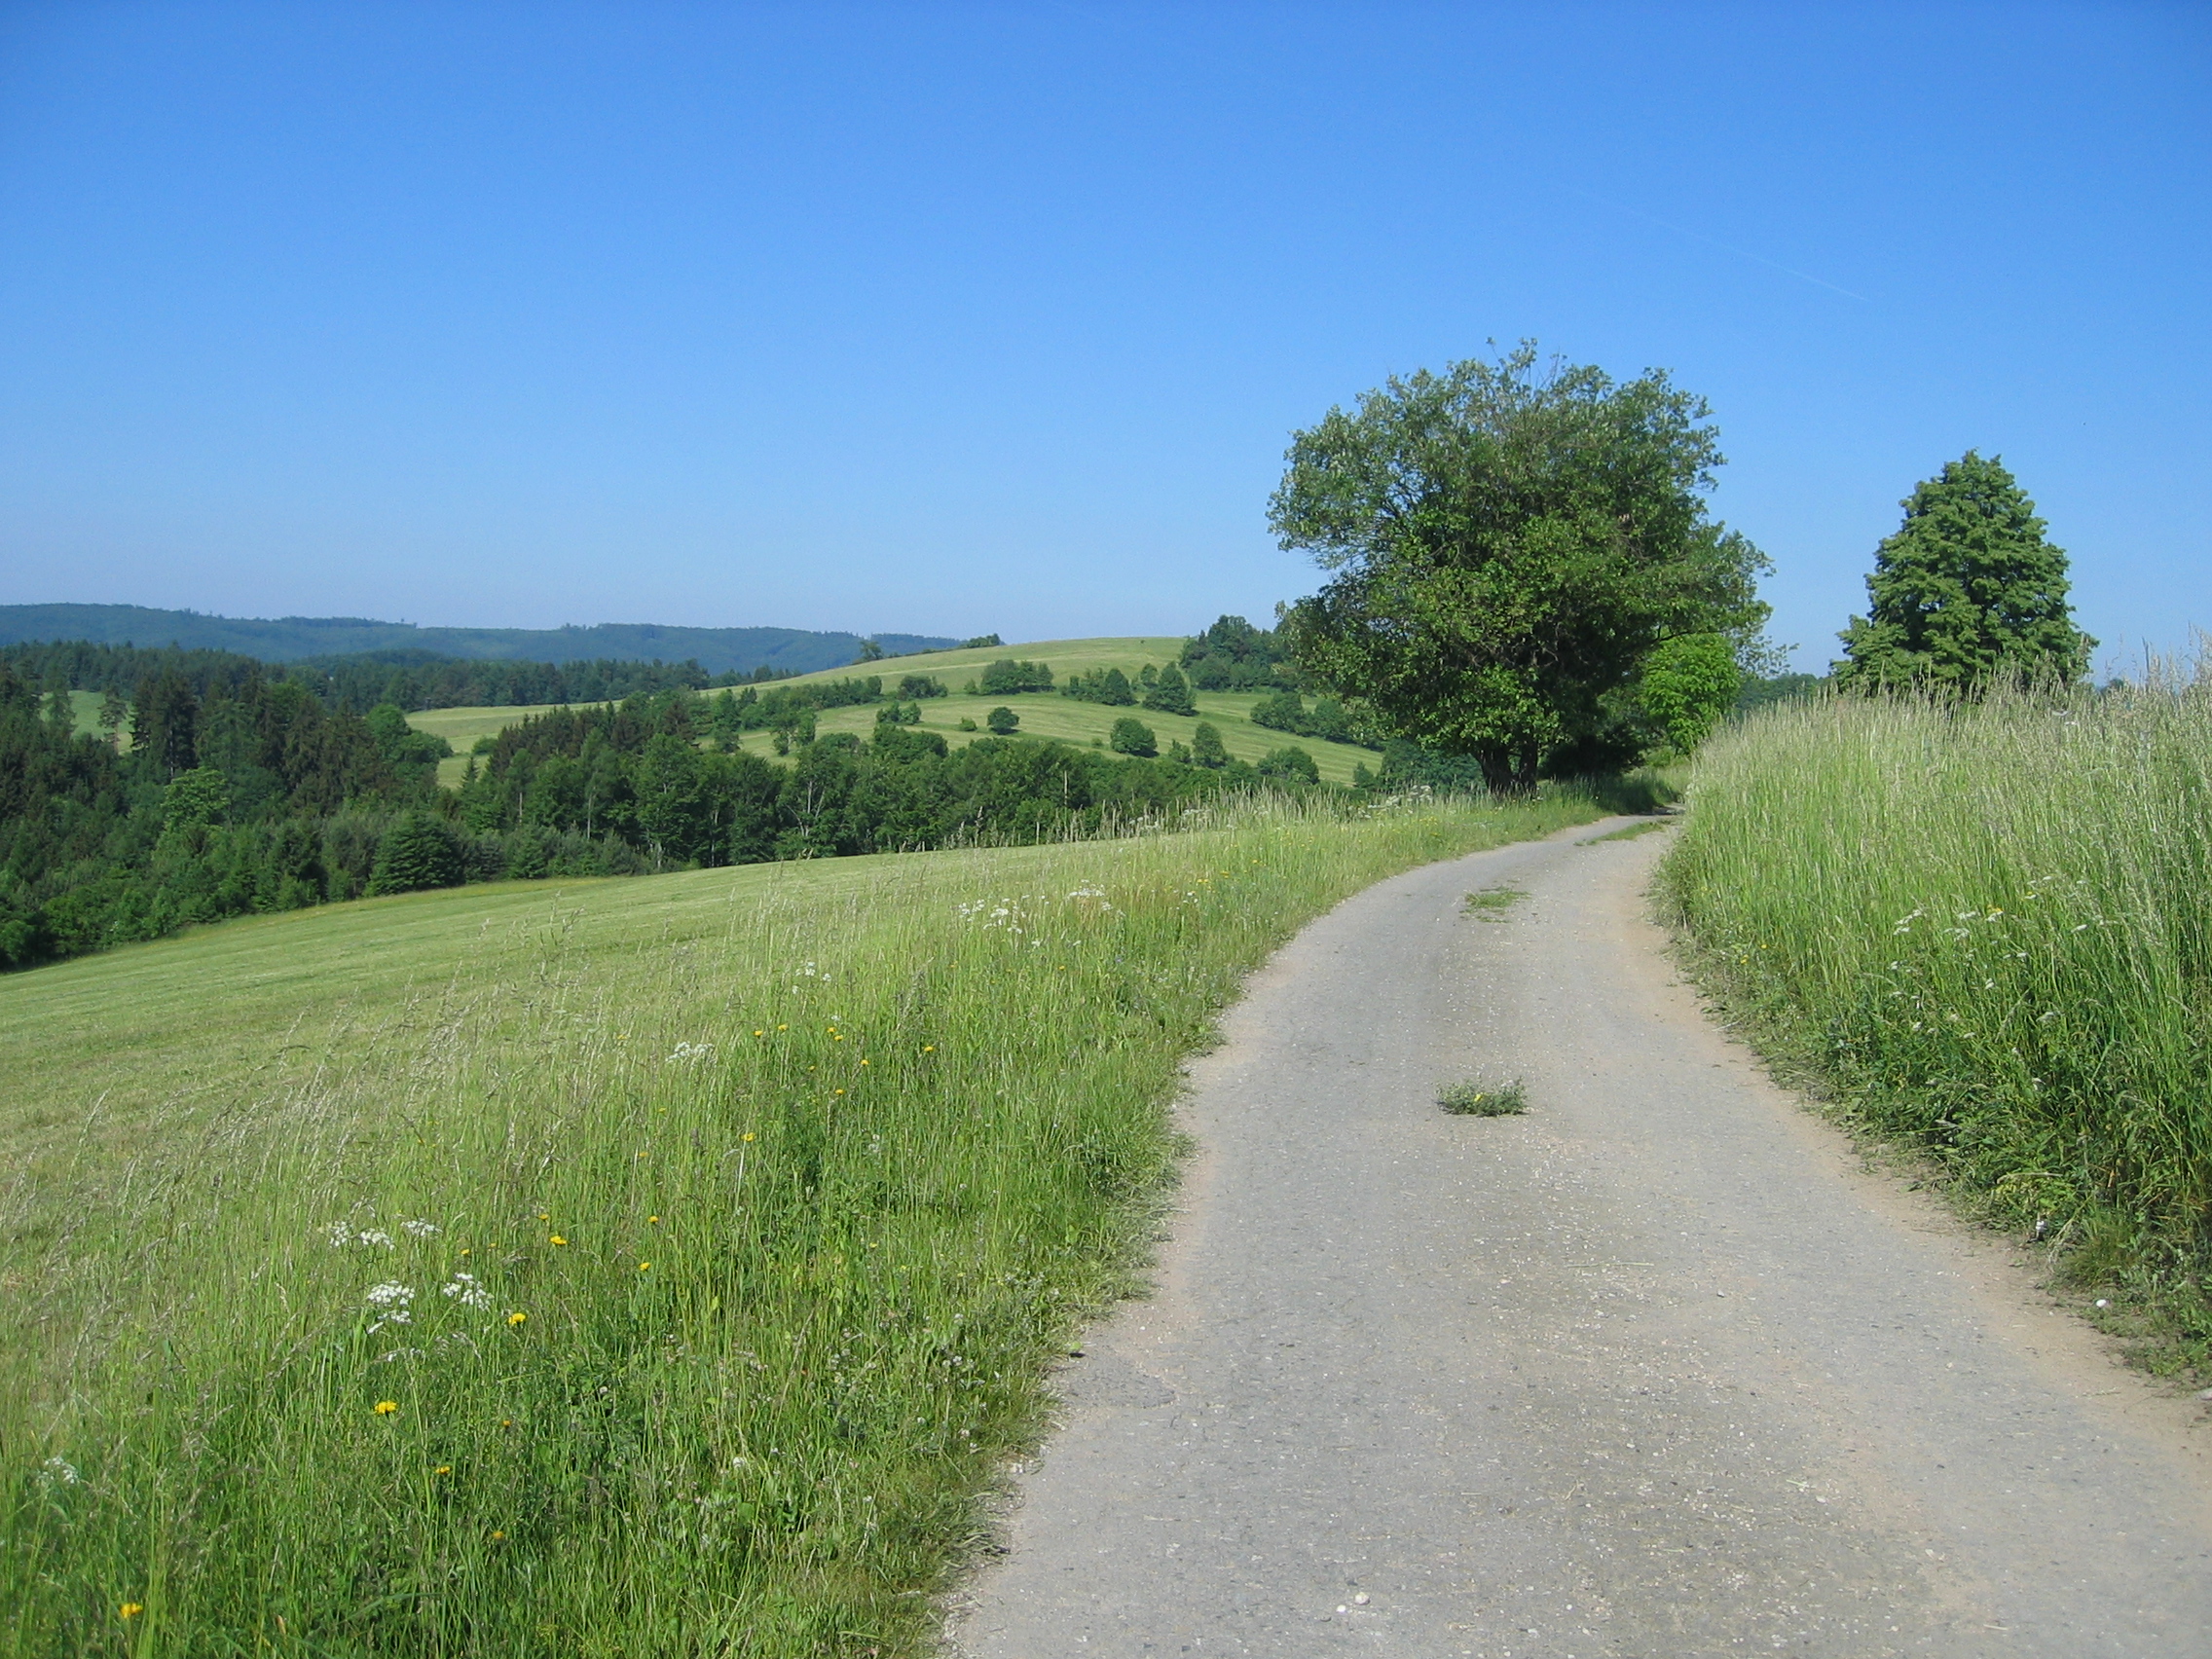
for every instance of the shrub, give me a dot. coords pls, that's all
(1170, 694)
(1134, 737)
(1001, 721)
(1289, 763)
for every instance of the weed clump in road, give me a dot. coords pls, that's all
(1485, 1100)
(1489, 904)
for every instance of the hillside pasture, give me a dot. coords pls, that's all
(646, 1266)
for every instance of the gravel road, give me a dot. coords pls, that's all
(1656, 1369)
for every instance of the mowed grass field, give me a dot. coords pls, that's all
(1043, 714)
(655, 1266)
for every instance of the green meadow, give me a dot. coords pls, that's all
(657, 1265)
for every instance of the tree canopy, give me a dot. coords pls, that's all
(1966, 590)
(1507, 546)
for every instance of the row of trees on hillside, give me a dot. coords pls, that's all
(1522, 570)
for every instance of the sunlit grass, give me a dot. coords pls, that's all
(646, 1267)
(1990, 928)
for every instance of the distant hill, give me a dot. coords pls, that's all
(287, 639)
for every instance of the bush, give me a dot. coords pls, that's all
(915, 686)
(1170, 693)
(1006, 676)
(1001, 721)
(1290, 763)
(1134, 737)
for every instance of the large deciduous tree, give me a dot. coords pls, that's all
(1966, 589)
(1507, 545)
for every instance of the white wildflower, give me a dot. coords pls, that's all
(373, 1238)
(466, 1291)
(389, 1295)
(57, 1469)
(419, 1229)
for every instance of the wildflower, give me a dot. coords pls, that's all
(443, 1469)
(516, 1318)
(748, 1134)
(466, 1291)
(760, 1034)
(419, 1229)
(497, 1535)
(929, 1047)
(645, 1266)
(555, 1238)
(371, 1237)
(652, 1221)
(389, 1295)
(58, 1468)
(384, 1408)
(840, 1091)
(506, 1422)
(864, 1062)
(544, 1216)
(131, 1609)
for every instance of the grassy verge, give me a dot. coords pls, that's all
(1986, 933)
(645, 1266)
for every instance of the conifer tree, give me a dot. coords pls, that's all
(1966, 589)
(416, 853)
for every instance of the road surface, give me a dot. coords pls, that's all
(1657, 1369)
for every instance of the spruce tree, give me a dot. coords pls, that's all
(1966, 589)
(416, 853)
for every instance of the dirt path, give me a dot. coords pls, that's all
(1654, 1369)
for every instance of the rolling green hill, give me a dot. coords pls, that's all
(288, 638)
(1043, 714)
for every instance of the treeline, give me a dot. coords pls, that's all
(408, 680)
(637, 771)
(254, 796)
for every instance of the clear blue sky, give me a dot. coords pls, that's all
(949, 318)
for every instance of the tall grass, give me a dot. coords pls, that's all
(657, 1269)
(1990, 926)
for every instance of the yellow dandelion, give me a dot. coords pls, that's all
(645, 1266)
(864, 1062)
(384, 1408)
(467, 1252)
(544, 1215)
(783, 1028)
(131, 1609)
(641, 1155)
(516, 1318)
(840, 1091)
(760, 1034)
(555, 1238)
(929, 1047)
(506, 1422)
(497, 1535)
(748, 1134)
(652, 1221)
(443, 1469)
